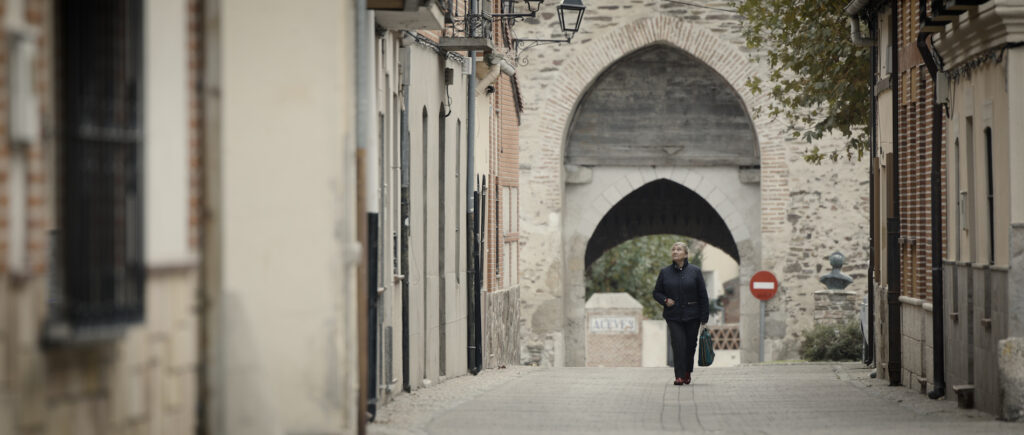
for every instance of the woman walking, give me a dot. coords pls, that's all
(680, 289)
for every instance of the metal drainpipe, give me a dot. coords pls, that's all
(365, 204)
(853, 10)
(895, 260)
(404, 249)
(938, 338)
(471, 308)
(368, 123)
(873, 233)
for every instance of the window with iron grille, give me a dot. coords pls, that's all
(99, 242)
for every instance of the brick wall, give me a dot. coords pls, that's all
(914, 142)
(501, 270)
(38, 200)
(503, 172)
(503, 197)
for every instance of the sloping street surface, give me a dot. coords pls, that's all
(769, 399)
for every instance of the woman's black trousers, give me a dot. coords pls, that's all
(684, 344)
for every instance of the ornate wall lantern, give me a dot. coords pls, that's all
(570, 15)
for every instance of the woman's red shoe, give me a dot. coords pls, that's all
(686, 380)
(679, 381)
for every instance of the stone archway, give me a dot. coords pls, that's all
(563, 212)
(658, 106)
(729, 203)
(578, 209)
(779, 209)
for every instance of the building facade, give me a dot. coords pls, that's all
(947, 297)
(983, 64)
(205, 211)
(99, 326)
(446, 167)
(153, 204)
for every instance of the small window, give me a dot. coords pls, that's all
(991, 197)
(514, 210)
(99, 241)
(506, 217)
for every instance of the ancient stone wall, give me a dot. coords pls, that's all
(501, 328)
(807, 211)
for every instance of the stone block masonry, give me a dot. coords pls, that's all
(805, 211)
(835, 306)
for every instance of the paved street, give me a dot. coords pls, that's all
(771, 398)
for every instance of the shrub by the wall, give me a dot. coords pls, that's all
(840, 342)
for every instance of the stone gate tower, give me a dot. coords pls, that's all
(643, 125)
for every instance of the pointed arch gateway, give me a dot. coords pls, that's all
(660, 140)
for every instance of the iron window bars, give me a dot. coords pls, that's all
(99, 244)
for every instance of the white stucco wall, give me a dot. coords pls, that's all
(724, 267)
(286, 318)
(166, 127)
(427, 90)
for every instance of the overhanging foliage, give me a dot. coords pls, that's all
(819, 80)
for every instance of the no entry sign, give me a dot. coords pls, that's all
(763, 285)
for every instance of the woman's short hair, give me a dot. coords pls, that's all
(683, 244)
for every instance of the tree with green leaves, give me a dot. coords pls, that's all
(819, 80)
(633, 266)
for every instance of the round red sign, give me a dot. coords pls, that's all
(763, 285)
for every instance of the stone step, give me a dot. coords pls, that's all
(964, 396)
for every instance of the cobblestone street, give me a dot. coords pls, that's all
(771, 398)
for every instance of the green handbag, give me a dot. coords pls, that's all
(706, 350)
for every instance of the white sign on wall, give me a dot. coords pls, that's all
(614, 325)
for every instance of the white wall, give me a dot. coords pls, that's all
(286, 322)
(655, 337)
(427, 90)
(166, 126)
(724, 267)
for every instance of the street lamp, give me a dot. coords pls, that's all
(570, 15)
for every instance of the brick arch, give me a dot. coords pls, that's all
(581, 71)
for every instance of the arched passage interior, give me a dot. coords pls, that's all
(660, 207)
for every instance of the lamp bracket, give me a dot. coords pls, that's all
(521, 45)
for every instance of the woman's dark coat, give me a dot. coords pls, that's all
(685, 286)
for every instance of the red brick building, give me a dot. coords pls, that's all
(943, 270)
